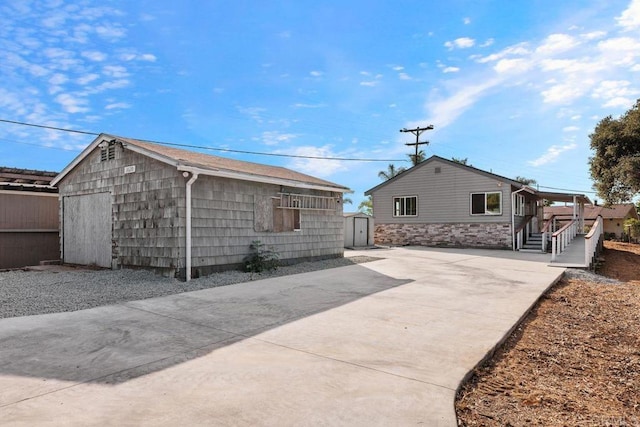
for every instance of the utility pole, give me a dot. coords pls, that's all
(417, 131)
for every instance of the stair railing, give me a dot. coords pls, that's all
(561, 238)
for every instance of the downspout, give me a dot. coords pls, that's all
(193, 178)
(513, 217)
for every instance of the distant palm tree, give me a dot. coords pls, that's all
(366, 206)
(525, 181)
(417, 159)
(390, 172)
(460, 161)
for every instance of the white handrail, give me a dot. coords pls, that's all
(591, 244)
(561, 238)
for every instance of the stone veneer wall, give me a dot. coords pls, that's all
(491, 235)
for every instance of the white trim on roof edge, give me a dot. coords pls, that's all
(260, 178)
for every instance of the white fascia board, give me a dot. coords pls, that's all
(262, 179)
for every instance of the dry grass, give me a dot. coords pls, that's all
(574, 361)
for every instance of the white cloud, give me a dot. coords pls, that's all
(404, 76)
(139, 57)
(593, 35)
(619, 102)
(315, 73)
(58, 79)
(86, 79)
(487, 42)
(466, 20)
(630, 17)
(111, 31)
(276, 138)
(369, 83)
(557, 43)
(316, 167)
(117, 106)
(460, 43)
(552, 154)
(570, 129)
(397, 68)
(302, 105)
(116, 71)
(519, 49)
(72, 104)
(450, 70)
(518, 65)
(564, 93)
(94, 55)
(445, 111)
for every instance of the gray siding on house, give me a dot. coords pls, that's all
(443, 197)
(147, 207)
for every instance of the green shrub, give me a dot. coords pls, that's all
(261, 259)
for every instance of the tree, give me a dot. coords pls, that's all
(460, 161)
(347, 201)
(417, 159)
(366, 206)
(525, 181)
(615, 165)
(390, 172)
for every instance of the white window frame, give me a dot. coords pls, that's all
(404, 199)
(520, 205)
(486, 212)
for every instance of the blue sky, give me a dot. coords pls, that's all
(513, 86)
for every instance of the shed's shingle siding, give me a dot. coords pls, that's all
(148, 212)
(147, 207)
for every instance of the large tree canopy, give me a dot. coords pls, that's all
(615, 166)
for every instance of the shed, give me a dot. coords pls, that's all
(133, 203)
(29, 222)
(358, 230)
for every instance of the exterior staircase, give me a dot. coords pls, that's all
(533, 243)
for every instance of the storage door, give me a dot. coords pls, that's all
(87, 229)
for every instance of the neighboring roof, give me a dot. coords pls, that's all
(360, 214)
(591, 212)
(207, 164)
(544, 195)
(459, 165)
(26, 179)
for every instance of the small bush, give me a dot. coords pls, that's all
(262, 258)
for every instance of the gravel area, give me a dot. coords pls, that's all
(588, 276)
(26, 293)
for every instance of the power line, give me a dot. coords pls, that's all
(227, 150)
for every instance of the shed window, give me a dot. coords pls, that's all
(486, 203)
(285, 219)
(108, 153)
(405, 206)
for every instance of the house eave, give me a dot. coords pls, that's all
(259, 178)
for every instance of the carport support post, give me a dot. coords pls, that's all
(193, 178)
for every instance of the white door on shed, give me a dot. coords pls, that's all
(360, 232)
(87, 229)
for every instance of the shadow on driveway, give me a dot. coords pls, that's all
(113, 344)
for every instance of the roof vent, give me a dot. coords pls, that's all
(438, 169)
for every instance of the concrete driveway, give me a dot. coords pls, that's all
(382, 343)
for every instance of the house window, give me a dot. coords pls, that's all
(405, 206)
(108, 153)
(486, 203)
(520, 210)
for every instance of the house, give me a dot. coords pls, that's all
(131, 203)
(443, 203)
(613, 216)
(29, 222)
(358, 230)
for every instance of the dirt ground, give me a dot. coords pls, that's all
(575, 360)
